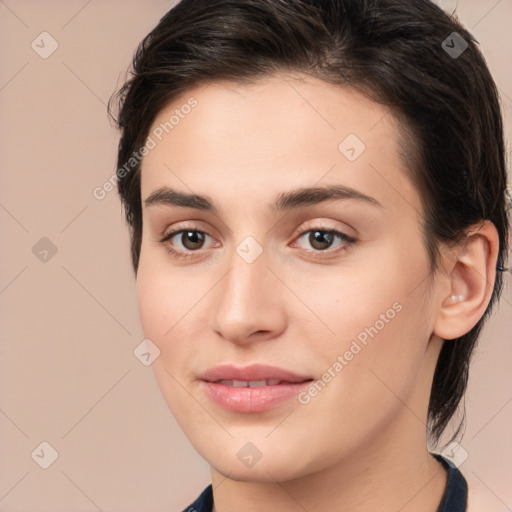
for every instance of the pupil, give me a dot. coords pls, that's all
(323, 238)
(192, 238)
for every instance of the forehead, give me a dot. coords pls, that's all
(276, 133)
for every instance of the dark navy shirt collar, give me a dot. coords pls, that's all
(204, 502)
(454, 499)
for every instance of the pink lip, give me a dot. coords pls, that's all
(256, 399)
(251, 372)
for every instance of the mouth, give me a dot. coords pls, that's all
(257, 383)
(254, 388)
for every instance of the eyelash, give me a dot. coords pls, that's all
(349, 241)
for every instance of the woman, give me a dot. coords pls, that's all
(316, 196)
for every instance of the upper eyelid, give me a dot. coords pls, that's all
(311, 224)
(173, 232)
(299, 232)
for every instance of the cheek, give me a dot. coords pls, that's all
(162, 294)
(164, 301)
(375, 329)
(155, 304)
(163, 306)
(370, 371)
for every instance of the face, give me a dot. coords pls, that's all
(334, 289)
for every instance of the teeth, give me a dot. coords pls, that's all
(256, 383)
(240, 384)
(249, 383)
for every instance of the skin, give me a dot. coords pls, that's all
(360, 444)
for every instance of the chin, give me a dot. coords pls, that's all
(268, 468)
(258, 473)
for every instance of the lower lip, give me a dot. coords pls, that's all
(252, 399)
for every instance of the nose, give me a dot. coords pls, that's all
(248, 302)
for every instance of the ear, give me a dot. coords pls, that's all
(469, 275)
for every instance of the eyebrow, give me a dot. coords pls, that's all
(293, 199)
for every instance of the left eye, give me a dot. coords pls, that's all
(322, 238)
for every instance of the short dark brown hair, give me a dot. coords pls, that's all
(397, 52)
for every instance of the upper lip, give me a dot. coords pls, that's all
(251, 373)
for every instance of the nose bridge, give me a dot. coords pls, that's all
(245, 285)
(247, 297)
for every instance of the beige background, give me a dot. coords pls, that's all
(68, 375)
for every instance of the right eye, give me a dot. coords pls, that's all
(191, 241)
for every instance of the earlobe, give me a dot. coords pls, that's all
(471, 275)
